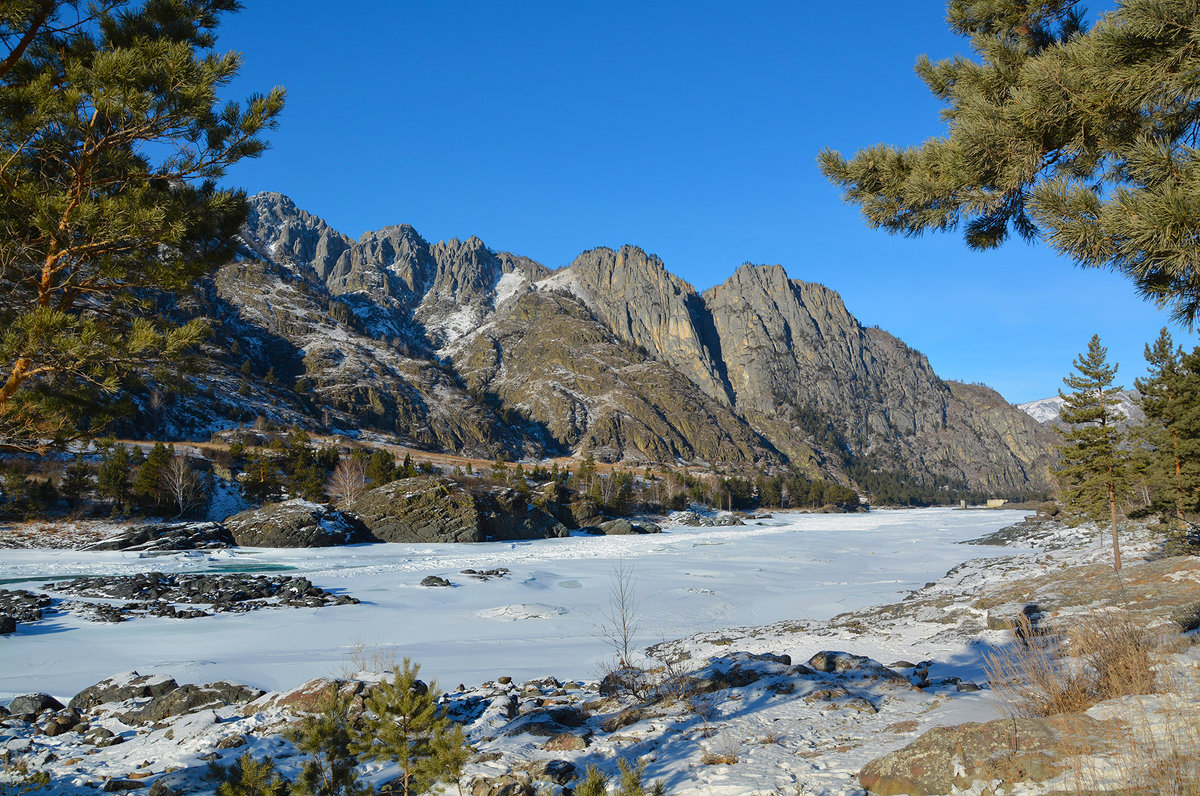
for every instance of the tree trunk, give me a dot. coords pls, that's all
(1112, 505)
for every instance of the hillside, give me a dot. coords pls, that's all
(453, 347)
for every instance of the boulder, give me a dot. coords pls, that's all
(431, 509)
(1009, 750)
(168, 536)
(191, 698)
(7, 625)
(33, 704)
(297, 523)
(121, 687)
(622, 526)
(434, 580)
(309, 697)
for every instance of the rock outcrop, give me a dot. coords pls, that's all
(296, 523)
(430, 509)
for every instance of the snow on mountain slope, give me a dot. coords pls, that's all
(1048, 410)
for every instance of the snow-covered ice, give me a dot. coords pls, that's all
(541, 618)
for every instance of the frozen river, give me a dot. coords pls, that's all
(542, 618)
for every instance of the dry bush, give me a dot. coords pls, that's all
(1118, 652)
(1031, 676)
(1112, 654)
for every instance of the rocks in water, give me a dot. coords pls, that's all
(168, 536)
(20, 605)
(120, 687)
(486, 574)
(157, 594)
(432, 509)
(297, 523)
(33, 704)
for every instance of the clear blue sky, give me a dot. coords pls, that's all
(690, 129)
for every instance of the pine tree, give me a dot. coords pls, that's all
(381, 468)
(586, 472)
(148, 482)
(249, 777)
(326, 737)
(1080, 136)
(1162, 400)
(112, 477)
(1092, 463)
(111, 146)
(77, 481)
(403, 725)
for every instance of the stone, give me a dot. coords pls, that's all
(1016, 750)
(432, 509)
(566, 742)
(33, 704)
(118, 785)
(121, 687)
(191, 698)
(297, 523)
(7, 625)
(168, 536)
(434, 580)
(231, 742)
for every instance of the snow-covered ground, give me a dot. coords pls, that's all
(542, 618)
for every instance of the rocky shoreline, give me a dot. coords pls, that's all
(879, 700)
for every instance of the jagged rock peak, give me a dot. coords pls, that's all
(648, 306)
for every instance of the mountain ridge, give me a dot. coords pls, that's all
(456, 347)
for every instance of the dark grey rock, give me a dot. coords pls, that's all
(190, 699)
(119, 688)
(33, 704)
(297, 523)
(434, 580)
(168, 536)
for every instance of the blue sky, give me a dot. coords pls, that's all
(690, 129)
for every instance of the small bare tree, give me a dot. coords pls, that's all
(348, 482)
(182, 484)
(619, 627)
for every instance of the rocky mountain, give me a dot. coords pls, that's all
(452, 346)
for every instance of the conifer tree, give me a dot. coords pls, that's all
(249, 777)
(1092, 463)
(77, 481)
(326, 737)
(1083, 137)
(1162, 400)
(112, 477)
(381, 468)
(403, 725)
(148, 482)
(112, 140)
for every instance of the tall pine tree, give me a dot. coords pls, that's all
(1092, 464)
(1163, 398)
(112, 140)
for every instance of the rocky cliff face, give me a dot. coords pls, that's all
(453, 346)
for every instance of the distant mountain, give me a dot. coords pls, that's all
(1048, 410)
(455, 347)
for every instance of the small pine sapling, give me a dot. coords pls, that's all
(403, 725)
(249, 777)
(326, 737)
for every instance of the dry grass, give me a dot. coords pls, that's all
(1111, 654)
(1155, 729)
